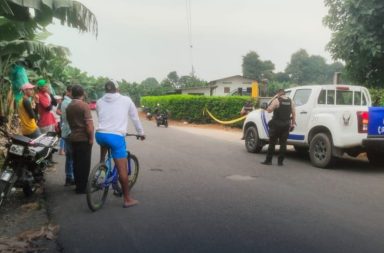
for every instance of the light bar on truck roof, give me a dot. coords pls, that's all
(342, 88)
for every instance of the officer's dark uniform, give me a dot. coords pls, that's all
(279, 129)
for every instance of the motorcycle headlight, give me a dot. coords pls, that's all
(6, 175)
(16, 149)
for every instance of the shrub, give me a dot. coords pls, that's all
(191, 108)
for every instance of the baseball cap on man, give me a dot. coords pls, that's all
(111, 86)
(27, 86)
(41, 83)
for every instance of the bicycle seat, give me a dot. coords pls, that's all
(20, 139)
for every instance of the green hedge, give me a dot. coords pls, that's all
(377, 96)
(190, 108)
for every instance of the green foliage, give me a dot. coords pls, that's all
(306, 69)
(377, 96)
(190, 108)
(131, 89)
(71, 13)
(151, 87)
(282, 77)
(358, 38)
(173, 78)
(274, 86)
(256, 69)
(21, 35)
(173, 81)
(191, 81)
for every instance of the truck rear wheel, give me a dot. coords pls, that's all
(320, 150)
(253, 143)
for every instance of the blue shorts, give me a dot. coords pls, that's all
(113, 141)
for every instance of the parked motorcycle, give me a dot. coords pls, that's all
(25, 162)
(148, 113)
(162, 119)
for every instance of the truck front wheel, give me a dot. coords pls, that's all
(320, 150)
(253, 143)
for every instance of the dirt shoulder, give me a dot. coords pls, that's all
(25, 224)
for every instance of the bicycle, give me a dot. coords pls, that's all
(104, 175)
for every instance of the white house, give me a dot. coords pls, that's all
(229, 85)
(221, 87)
(205, 90)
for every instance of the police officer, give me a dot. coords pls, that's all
(282, 120)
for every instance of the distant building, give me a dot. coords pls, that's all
(222, 87)
(202, 90)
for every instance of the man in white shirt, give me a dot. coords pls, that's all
(113, 111)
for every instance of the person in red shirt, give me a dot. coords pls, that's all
(45, 102)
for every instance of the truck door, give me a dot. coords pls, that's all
(303, 111)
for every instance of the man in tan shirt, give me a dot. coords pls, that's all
(82, 133)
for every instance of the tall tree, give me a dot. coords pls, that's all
(150, 86)
(306, 69)
(173, 78)
(191, 81)
(256, 69)
(358, 38)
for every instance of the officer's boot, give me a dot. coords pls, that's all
(268, 160)
(280, 161)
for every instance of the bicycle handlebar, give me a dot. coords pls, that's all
(138, 136)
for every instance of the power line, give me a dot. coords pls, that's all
(189, 24)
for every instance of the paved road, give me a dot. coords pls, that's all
(202, 192)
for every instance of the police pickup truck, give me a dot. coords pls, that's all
(331, 120)
(374, 143)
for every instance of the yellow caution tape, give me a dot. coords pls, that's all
(224, 122)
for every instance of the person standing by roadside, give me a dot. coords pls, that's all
(65, 132)
(283, 119)
(113, 111)
(27, 116)
(80, 123)
(57, 113)
(45, 102)
(248, 107)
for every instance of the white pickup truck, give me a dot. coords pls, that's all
(331, 120)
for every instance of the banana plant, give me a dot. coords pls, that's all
(20, 21)
(71, 13)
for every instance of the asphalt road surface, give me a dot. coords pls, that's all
(200, 191)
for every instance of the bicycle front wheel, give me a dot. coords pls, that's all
(133, 170)
(97, 191)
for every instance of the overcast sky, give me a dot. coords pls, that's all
(149, 38)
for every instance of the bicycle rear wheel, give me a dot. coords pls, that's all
(97, 192)
(133, 170)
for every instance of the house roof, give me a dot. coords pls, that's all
(229, 77)
(196, 88)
